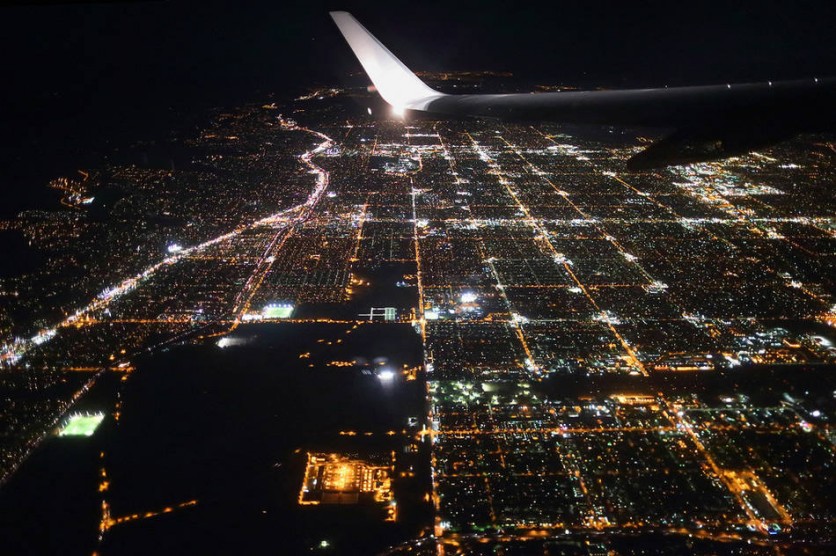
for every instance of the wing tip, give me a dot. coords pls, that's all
(396, 83)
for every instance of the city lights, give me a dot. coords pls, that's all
(584, 353)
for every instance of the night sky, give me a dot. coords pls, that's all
(112, 68)
(212, 49)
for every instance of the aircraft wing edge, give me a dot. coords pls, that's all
(396, 83)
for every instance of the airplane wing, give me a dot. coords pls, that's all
(394, 81)
(704, 122)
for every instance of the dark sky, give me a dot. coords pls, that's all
(207, 49)
(120, 64)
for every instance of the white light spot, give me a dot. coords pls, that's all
(227, 341)
(468, 297)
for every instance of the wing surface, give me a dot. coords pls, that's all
(394, 81)
(702, 122)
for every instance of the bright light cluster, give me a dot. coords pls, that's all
(82, 424)
(277, 311)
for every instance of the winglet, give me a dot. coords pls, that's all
(394, 81)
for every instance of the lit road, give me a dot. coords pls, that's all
(284, 225)
(12, 353)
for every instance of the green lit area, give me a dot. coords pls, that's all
(82, 425)
(277, 311)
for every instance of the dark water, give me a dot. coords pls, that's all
(229, 428)
(47, 139)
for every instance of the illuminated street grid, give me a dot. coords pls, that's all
(538, 259)
(508, 459)
(533, 258)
